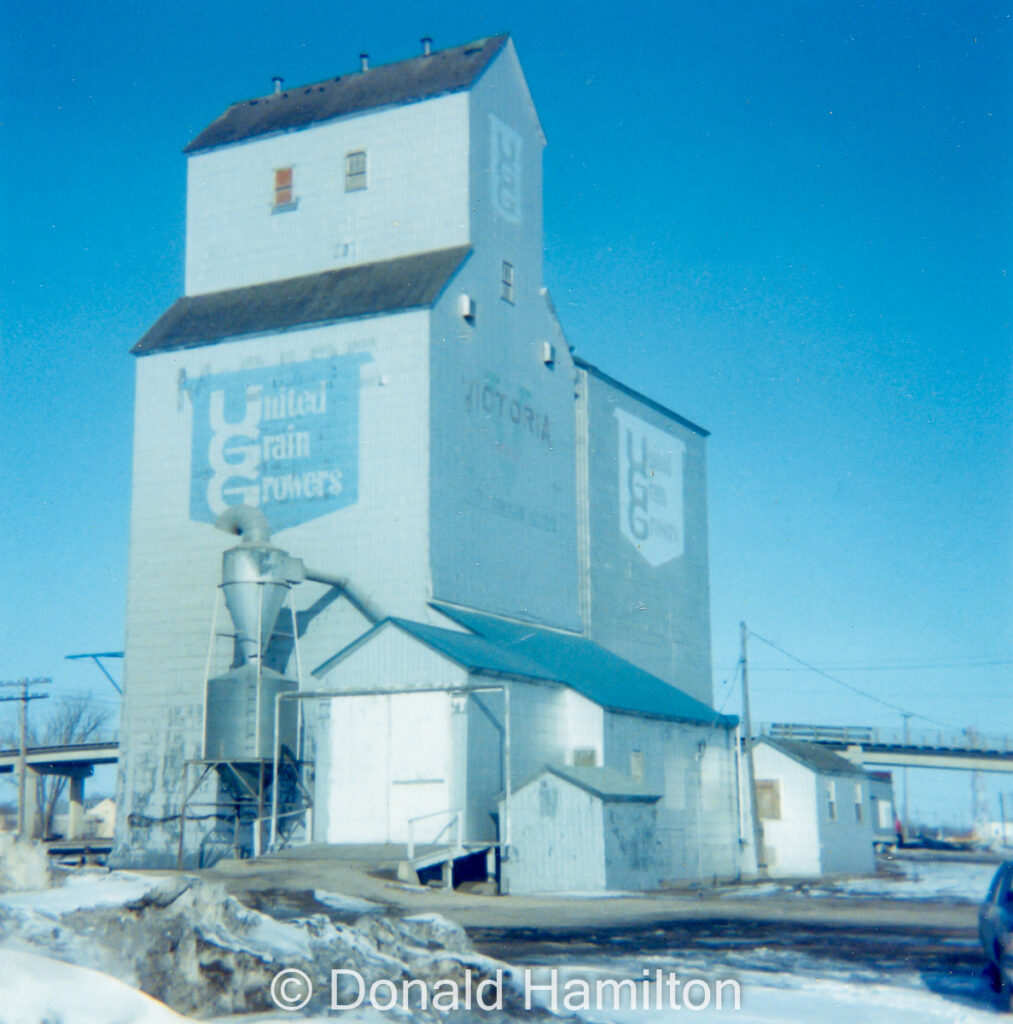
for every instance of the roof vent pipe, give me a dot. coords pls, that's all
(277, 83)
(364, 59)
(427, 45)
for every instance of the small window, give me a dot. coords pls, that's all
(637, 765)
(585, 757)
(355, 171)
(831, 801)
(507, 282)
(768, 799)
(284, 191)
(884, 811)
(858, 802)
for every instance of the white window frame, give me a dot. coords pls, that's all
(506, 285)
(356, 171)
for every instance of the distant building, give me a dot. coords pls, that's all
(100, 820)
(816, 810)
(884, 809)
(366, 355)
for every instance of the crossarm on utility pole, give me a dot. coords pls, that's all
(24, 818)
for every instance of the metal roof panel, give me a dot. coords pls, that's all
(368, 289)
(406, 81)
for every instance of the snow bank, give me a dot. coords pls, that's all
(190, 945)
(35, 988)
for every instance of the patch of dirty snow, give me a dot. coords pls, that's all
(965, 882)
(189, 944)
(350, 905)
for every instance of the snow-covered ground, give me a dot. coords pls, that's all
(83, 890)
(39, 990)
(914, 880)
(781, 987)
(803, 1001)
(774, 985)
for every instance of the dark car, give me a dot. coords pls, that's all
(995, 926)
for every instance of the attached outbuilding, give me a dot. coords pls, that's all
(581, 828)
(582, 770)
(815, 808)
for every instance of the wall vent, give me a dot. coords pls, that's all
(466, 307)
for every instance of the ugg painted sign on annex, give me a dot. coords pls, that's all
(650, 489)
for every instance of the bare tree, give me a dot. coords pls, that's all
(72, 720)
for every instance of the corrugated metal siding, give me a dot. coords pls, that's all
(655, 614)
(502, 459)
(416, 199)
(175, 562)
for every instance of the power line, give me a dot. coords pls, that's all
(939, 666)
(847, 686)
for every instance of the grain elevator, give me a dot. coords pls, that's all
(469, 594)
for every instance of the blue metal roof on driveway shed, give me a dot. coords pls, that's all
(503, 647)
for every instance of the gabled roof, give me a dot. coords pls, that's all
(371, 288)
(499, 647)
(606, 783)
(407, 81)
(597, 673)
(815, 757)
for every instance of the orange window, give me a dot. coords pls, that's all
(283, 192)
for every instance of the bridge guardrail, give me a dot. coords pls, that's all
(948, 739)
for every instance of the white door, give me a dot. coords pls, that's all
(390, 761)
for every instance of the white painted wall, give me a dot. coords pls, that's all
(882, 810)
(807, 840)
(416, 199)
(380, 542)
(846, 846)
(557, 839)
(502, 455)
(697, 816)
(792, 843)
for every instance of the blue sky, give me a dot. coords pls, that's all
(789, 222)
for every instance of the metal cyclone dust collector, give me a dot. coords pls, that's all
(256, 579)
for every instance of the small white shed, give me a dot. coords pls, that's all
(581, 829)
(815, 808)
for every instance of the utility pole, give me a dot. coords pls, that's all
(24, 697)
(905, 824)
(747, 725)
